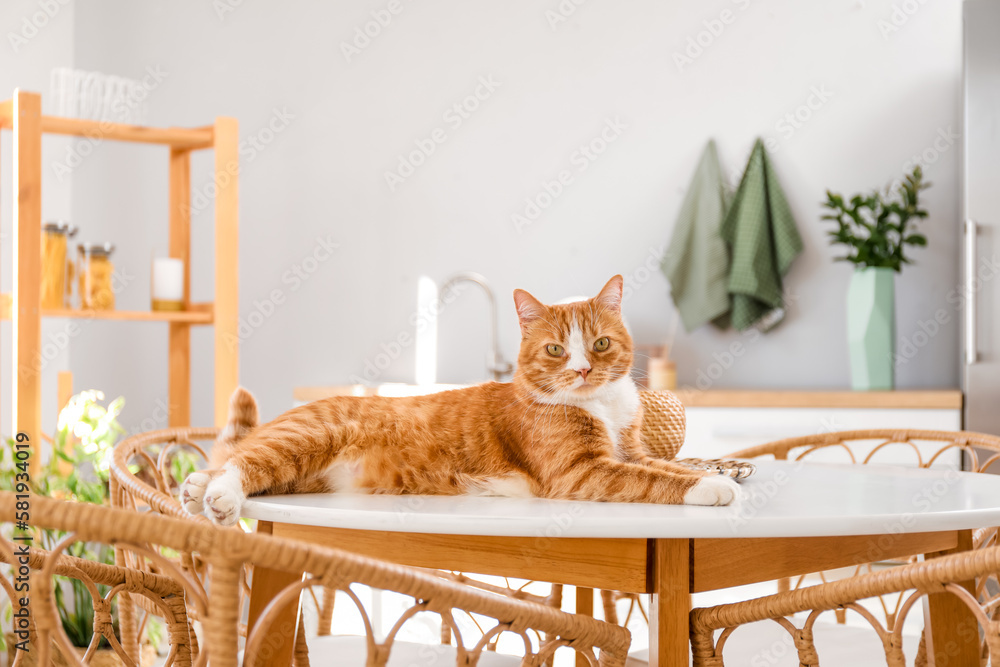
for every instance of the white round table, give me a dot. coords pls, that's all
(794, 518)
(781, 499)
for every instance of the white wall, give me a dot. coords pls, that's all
(889, 97)
(34, 42)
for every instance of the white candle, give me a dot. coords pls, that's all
(168, 280)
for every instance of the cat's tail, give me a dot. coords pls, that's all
(244, 416)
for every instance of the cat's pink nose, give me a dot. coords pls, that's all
(583, 373)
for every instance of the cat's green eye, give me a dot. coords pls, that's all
(602, 344)
(554, 350)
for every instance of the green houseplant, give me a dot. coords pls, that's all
(875, 229)
(86, 434)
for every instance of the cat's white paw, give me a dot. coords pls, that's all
(713, 490)
(192, 494)
(224, 498)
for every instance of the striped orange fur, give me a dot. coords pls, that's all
(566, 427)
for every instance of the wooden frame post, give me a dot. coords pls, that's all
(227, 343)
(179, 359)
(584, 607)
(264, 587)
(951, 629)
(64, 392)
(670, 603)
(26, 311)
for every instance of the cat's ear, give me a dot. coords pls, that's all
(529, 308)
(611, 296)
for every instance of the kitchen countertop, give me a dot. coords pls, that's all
(917, 399)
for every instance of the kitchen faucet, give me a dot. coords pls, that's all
(495, 362)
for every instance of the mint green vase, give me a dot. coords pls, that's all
(871, 328)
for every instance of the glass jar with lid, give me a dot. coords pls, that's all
(57, 279)
(95, 270)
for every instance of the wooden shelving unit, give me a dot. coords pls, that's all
(23, 116)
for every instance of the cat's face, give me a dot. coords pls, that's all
(573, 349)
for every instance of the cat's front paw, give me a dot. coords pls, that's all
(713, 490)
(192, 495)
(224, 498)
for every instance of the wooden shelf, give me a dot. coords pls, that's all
(23, 116)
(200, 313)
(182, 138)
(177, 317)
(176, 137)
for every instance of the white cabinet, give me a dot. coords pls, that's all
(720, 422)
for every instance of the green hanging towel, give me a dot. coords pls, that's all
(697, 262)
(763, 242)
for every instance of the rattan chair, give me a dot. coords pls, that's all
(228, 553)
(975, 452)
(940, 576)
(141, 480)
(162, 594)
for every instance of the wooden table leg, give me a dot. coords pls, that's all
(951, 631)
(584, 606)
(279, 644)
(670, 606)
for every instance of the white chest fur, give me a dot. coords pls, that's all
(615, 405)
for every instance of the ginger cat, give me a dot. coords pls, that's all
(566, 427)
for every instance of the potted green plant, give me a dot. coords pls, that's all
(87, 433)
(875, 228)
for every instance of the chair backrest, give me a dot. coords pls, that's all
(976, 452)
(160, 592)
(152, 452)
(228, 551)
(924, 448)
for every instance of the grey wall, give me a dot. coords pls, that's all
(890, 83)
